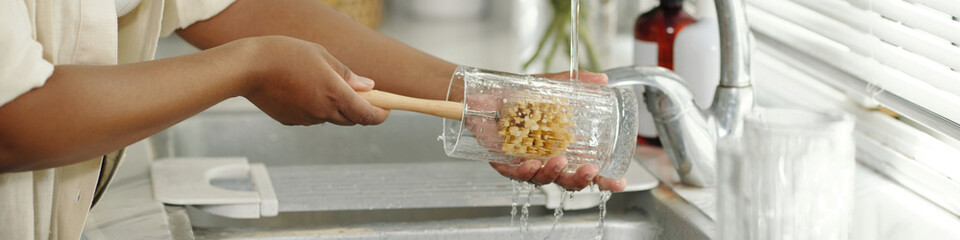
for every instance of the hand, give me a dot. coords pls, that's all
(300, 83)
(536, 172)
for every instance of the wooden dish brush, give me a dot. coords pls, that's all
(530, 128)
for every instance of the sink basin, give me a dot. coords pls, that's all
(404, 138)
(438, 223)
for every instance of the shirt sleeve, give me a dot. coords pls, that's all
(179, 14)
(22, 66)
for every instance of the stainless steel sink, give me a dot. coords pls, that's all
(404, 137)
(439, 223)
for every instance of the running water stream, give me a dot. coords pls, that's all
(604, 197)
(575, 75)
(516, 200)
(558, 212)
(519, 187)
(574, 39)
(525, 209)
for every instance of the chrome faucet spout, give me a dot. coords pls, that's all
(656, 77)
(689, 134)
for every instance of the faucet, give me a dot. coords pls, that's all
(689, 134)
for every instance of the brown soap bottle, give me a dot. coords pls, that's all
(654, 32)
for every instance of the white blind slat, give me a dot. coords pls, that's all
(919, 67)
(915, 16)
(913, 40)
(951, 7)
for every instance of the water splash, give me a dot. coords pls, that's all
(525, 210)
(604, 196)
(558, 212)
(516, 200)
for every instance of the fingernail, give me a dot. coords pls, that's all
(366, 81)
(533, 170)
(558, 168)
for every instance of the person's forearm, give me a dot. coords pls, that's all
(395, 66)
(84, 111)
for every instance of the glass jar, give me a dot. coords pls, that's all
(511, 117)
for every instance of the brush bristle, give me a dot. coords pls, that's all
(535, 128)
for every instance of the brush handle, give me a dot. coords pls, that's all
(444, 109)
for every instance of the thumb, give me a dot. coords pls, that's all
(360, 83)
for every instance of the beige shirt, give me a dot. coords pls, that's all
(36, 35)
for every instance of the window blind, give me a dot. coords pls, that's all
(904, 48)
(901, 54)
(913, 158)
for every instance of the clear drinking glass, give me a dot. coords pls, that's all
(586, 123)
(789, 176)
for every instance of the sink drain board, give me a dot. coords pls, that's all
(386, 186)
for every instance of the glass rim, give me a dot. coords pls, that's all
(443, 132)
(802, 121)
